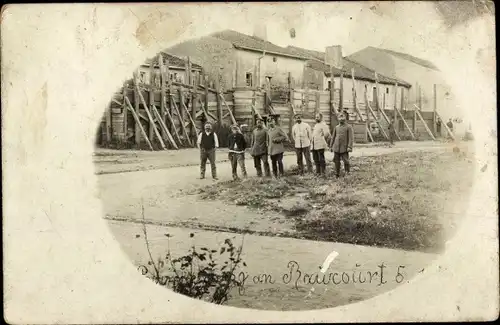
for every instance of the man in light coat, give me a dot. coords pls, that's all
(301, 135)
(320, 134)
(341, 144)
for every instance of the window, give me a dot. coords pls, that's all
(249, 79)
(275, 59)
(329, 84)
(387, 90)
(142, 77)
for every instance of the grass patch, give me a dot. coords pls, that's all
(393, 200)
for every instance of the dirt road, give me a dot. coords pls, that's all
(159, 190)
(167, 210)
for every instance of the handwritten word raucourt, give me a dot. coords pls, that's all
(296, 277)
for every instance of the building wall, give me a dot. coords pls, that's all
(386, 92)
(314, 79)
(176, 74)
(414, 74)
(276, 67)
(217, 57)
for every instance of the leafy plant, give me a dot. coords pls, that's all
(197, 274)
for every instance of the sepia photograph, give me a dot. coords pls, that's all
(248, 168)
(250, 162)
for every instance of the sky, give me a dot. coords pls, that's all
(411, 27)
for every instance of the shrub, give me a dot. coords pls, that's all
(197, 274)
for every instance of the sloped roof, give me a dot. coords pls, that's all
(173, 61)
(371, 51)
(410, 58)
(360, 71)
(248, 42)
(311, 53)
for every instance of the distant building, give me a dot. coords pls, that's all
(318, 75)
(421, 74)
(240, 60)
(176, 66)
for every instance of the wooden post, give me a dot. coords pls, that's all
(414, 126)
(396, 122)
(333, 113)
(170, 118)
(377, 92)
(205, 78)
(125, 111)
(108, 124)
(168, 107)
(138, 125)
(219, 102)
(151, 95)
(183, 127)
(150, 117)
(425, 124)
(181, 101)
(354, 97)
(164, 127)
(341, 96)
(450, 133)
(403, 106)
(366, 107)
(404, 122)
(291, 112)
(266, 101)
(377, 121)
(187, 73)
(194, 100)
(434, 126)
(420, 97)
(318, 98)
(193, 125)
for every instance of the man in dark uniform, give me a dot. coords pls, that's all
(207, 143)
(259, 149)
(450, 125)
(341, 144)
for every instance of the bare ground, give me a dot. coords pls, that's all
(164, 193)
(395, 200)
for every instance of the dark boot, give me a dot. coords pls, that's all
(337, 169)
(318, 168)
(347, 168)
(267, 170)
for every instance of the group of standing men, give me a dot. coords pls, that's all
(270, 142)
(318, 140)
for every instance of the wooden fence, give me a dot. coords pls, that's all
(169, 115)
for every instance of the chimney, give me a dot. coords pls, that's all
(333, 56)
(260, 31)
